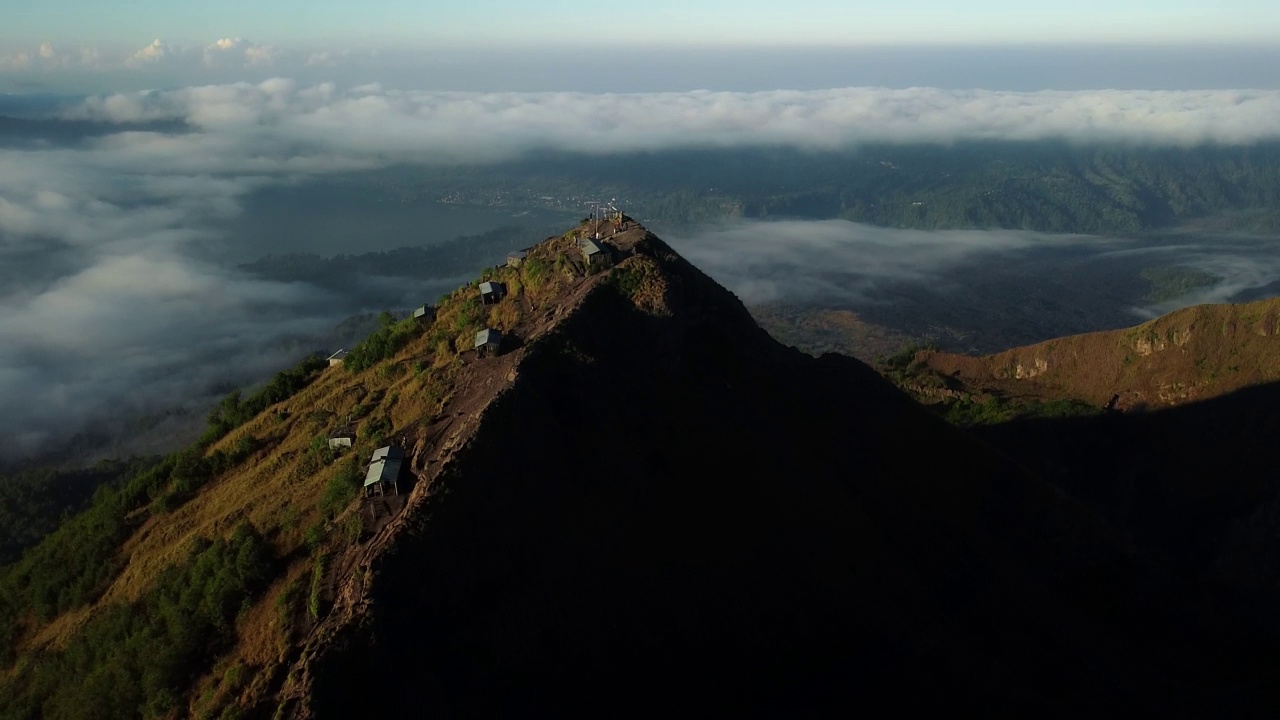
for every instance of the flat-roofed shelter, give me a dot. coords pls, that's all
(337, 358)
(492, 293)
(488, 341)
(516, 258)
(384, 471)
(424, 314)
(595, 254)
(342, 437)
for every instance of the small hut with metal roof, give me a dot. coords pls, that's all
(384, 471)
(424, 314)
(595, 254)
(342, 437)
(488, 342)
(491, 293)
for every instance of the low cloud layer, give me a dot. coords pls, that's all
(838, 261)
(369, 121)
(109, 304)
(1245, 268)
(974, 291)
(106, 311)
(159, 54)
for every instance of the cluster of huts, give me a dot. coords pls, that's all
(383, 473)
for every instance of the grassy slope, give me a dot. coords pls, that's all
(280, 487)
(1191, 354)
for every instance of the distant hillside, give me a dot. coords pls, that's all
(1188, 355)
(639, 504)
(1044, 186)
(818, 331)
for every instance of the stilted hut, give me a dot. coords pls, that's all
(384, 471)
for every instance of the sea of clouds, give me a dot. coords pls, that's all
(109, 305)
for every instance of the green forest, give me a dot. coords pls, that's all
(1042, 186)
(130, 660)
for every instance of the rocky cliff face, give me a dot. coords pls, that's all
(651, 506)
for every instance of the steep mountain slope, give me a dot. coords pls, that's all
(665, 509)
(1190, 354)
(643, 504)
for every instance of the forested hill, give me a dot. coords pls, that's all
(1045, 186)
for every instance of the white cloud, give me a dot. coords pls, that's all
(106, 308)
(156, 53)
(46, 57)
(16, 61)
(327, 58)
(369, 121)
(238, 53)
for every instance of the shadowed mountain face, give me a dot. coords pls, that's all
(667, 511)
(1196, 483)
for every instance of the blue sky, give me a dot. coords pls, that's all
(133, 23)
(74, 46)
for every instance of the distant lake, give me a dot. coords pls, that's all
(333, 218)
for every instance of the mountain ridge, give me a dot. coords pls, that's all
(1190, 354)
(331, 657)
(642, 503)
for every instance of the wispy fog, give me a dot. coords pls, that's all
(823, 261)
(1246, 268)
(974, 291)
